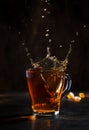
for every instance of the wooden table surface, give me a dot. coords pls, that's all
(16, 114)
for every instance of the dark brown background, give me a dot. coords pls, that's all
(71, 16)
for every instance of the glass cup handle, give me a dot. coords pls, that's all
(67, 85)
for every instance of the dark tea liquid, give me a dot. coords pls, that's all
(45, 88)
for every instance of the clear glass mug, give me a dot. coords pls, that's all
(46, 88)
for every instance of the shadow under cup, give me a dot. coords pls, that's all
(46, 88)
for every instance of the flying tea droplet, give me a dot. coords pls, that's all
(50, 40)
(45, 9)
(47, 34)
(43, 16)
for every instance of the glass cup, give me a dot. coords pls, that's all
(46, 88)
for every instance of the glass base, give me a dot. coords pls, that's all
(46, 114)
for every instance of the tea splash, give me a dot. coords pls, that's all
(52, 62)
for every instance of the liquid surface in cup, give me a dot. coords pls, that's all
(45, 89)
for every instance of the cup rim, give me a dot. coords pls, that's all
(51, 69)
